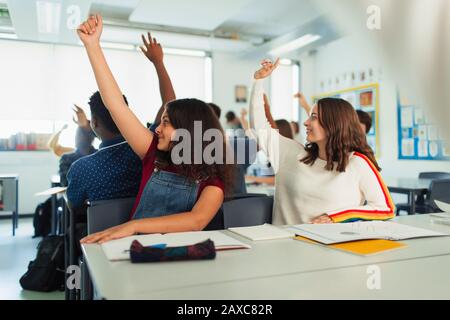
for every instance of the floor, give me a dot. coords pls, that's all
(15, 254)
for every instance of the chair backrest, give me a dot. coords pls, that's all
(439, 190)
(105, 214)
(434, 175)
(250, 211)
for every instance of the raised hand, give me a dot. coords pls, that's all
(152, 49)
(90, 31)
(267, 68)
(301, 97)
(81, 119)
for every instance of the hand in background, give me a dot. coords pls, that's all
(152, 49)
(81, 119)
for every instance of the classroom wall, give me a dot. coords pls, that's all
(346, 55)
(34, 169)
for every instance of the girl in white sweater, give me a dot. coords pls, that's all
(334, 177)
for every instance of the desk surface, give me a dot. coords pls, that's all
(407, 183)
(265, 260)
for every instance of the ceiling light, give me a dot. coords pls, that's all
(295, 44)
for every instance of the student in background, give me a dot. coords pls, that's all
(240, 144)
(284, 128)
(365, 121)
(233, 125)
(112, 172)
(54, 146)
(334, 177)
(83, 145)
(295, 130)
(172, 197)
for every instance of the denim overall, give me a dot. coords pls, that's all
(166, 193)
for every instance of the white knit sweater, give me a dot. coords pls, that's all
(304, 192)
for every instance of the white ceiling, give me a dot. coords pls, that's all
(239, 25)
(196, 14)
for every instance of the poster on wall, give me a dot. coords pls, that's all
(363, 98)
(418, 137)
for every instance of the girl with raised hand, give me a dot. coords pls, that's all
(334, 177)
(174, 196)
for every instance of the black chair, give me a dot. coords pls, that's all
(102, 215)
(247, 211)
(421, 200)
(439, 190)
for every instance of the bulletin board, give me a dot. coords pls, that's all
(365, 98)
(418, 137)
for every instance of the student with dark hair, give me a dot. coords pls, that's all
(112, 172)
(174, 195)
(365, 121)
(233, 124)
(244, 150)
(83, 145)
(334, 177)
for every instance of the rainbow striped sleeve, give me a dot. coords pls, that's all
(381, 207)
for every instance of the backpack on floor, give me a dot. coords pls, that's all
(46, 273)
(42, 219)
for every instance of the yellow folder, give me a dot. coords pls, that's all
(361, 247)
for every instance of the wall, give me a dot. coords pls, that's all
(35, 169)
(346, 55)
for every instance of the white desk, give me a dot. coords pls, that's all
(267, 260)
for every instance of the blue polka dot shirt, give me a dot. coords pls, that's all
(113, 172)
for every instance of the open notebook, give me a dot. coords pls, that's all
(118, 249)
(345, 232)
(263, 232)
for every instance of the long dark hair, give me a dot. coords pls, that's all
(182, 114)
(284, 128)
(341, 124)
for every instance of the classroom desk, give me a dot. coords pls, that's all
(410, 187)
(261, 188)
(421, 278)
(10, 197)
(265, 260)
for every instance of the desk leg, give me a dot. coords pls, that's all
(412, 202)
(54, 213)
(15, 214)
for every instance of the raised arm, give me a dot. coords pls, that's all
(268, 113)
(268, 138)
(55, 147)
(303, 103)
(137, 135)
(154, 52)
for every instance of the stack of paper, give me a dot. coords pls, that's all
(119, 249)
(442, 217)
(263, 232)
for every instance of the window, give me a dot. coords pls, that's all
(41, 82)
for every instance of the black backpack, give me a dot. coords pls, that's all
(46, 272)
(42, 219)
